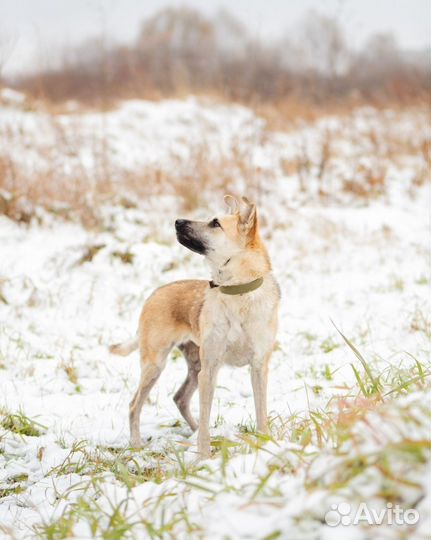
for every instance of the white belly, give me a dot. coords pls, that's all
(238, 353)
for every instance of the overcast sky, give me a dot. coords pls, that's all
(34, 30)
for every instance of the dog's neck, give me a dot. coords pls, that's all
(242, 267)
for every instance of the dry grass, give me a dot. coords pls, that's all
(63, 185)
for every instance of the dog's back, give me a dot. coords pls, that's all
(170, 316)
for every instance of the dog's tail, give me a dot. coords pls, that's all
(123, 349)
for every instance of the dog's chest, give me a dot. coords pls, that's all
(242, 327)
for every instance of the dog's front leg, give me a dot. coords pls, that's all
(207, 382)
(211, 353)
(259, 381)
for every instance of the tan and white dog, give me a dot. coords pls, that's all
(229, 320)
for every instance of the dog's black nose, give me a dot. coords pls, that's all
(179, 223)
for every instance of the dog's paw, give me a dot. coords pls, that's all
(136, 444)
(204, 450)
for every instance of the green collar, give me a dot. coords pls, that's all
(239, 289)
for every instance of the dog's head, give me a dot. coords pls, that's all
(223, 236)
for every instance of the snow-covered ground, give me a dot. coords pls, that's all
(359, 264)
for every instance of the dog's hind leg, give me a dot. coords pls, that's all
(187, 389)
(150, 372)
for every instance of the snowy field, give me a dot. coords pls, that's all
(350, 418)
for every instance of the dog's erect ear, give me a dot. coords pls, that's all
(247, 215)
(232, 203)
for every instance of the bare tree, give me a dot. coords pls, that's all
(323, 45)
(177, 46)
(319, 55)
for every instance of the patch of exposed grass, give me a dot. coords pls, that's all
(15, 485)
(129, 468)
(71, 373)
(126, 257)
(421, 322)
(327, 373)
(369, 383)
(21, 424)
(13, 490)
(422, 280)
(111, 521)
(90, 252)
(386, 460)
(328, 345)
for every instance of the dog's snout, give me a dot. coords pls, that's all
(179, 223)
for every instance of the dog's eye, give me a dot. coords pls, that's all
(214, 223)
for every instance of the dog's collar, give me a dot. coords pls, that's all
(242, 288)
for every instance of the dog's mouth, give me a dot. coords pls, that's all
(194, 244)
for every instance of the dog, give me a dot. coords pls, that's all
(231, 319)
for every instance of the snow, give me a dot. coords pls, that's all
(11, 96)
(363, 266)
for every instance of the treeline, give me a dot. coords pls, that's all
(181, 50)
